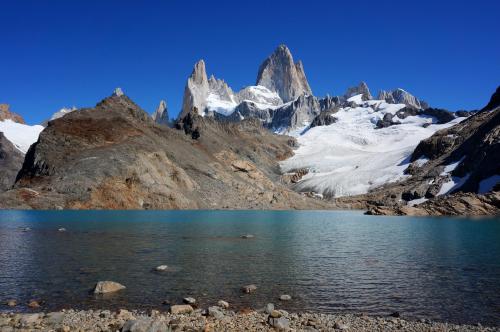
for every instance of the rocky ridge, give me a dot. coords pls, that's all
(114, 156)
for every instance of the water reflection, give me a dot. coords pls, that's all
(439, 268)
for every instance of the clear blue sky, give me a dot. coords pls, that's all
(57, 53)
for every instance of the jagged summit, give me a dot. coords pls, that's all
(281, 74)
(196, 90)
(400, 96)
(361, 89)
(161, 114)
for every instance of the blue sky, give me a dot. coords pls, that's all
(58, 53)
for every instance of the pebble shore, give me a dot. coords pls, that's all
(214, 318)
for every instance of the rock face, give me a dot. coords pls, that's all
(494, 101)
(400, 96)
(114, 156)
(299, 113)
(325, 118)
(281, 74)
(11, 160)
(160, 116)
(361, 89)
(6, 114)
(196, 90)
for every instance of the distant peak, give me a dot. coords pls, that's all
(279, 73)
(118, 92)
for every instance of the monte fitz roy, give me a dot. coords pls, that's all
(274, 145)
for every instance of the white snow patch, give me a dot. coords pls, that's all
(451, 167)
(351, 157)
(487, 184)
(417, 201)
(21, 135)
(358, 99)
(62, 112)
(216, 104)
(421, 161)
(454, 183)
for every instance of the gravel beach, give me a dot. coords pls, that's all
(215, 319)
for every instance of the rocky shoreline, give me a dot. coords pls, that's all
(216, 318)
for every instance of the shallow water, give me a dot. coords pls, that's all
(439, 268)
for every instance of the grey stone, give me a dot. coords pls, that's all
(285, 297)
(104, 287)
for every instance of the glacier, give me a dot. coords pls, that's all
(352, 157)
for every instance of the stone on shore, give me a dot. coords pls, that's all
(223, 304)
(215, 312)
(269, 308)
(280, 324)
(145, 325)
(285, 297)
(249, 289)
(105, 287)
(189, 300)
(340, 326)
(29, 319)
(33, 304)
(181, 309)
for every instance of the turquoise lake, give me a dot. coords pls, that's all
(445, 269)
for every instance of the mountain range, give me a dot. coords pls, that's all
(274, 145)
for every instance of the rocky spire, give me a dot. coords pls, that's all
(196, 90)
(361, 89)
(161, 114)
(400, 96)
(280, 74)
(6, 114)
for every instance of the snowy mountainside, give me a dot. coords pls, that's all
(352, 156)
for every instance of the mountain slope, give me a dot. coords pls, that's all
(353, 154)
(114, 156)
(11, 160)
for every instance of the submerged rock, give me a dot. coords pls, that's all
(104, 287)
(161, 268)
(285, 297)
(249, 289)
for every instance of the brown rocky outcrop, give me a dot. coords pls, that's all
(6, 114)
(114, 156)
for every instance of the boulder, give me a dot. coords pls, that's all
(189, 300)
(280, 324)
(145, 325)
(215, 312)
(223, 304)
(285, 297)
(249, 289)
(104, 287)
(29, 319)
(181, 309)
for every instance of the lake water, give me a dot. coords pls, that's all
(438, 268)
